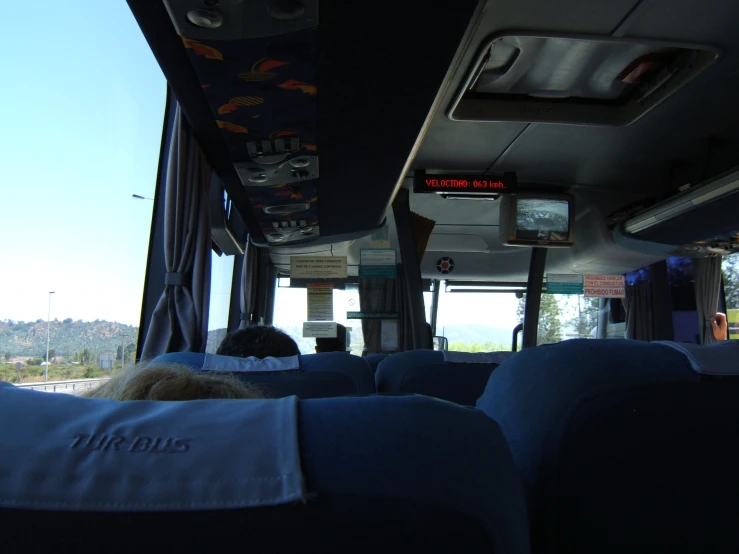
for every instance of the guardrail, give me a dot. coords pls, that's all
(70, 387)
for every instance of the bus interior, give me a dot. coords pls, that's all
(525, 216)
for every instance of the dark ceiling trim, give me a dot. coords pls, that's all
(468, 34)
(632, 15)
(166, 45)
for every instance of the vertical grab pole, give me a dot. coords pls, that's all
(514, 342)
(435, 305)
(533, 296)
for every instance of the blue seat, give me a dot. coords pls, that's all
(321, 375)
(426, 372)
(622, 445)
(374, 360)
(411, 472)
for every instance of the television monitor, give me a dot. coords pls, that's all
(543, 220)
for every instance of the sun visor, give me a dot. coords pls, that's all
(578, 79)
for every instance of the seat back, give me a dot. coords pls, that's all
(321, 375)
(412, 472)
(622, 445)
(426, 372)
(374, 360)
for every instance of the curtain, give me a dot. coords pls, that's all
(638, 304)
(248, 284)
(179, 322)
(377, 295)
(405, 329)
(385, 295)
(707, 276)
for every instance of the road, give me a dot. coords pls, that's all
(73, 386)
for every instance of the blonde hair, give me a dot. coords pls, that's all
(170, 382)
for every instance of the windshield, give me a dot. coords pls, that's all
(476, 321)
(291, 310)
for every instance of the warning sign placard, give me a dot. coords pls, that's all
(333, 267)
(319, 329)
(604, 286)
(320, 301)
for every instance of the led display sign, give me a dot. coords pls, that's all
(464, 184)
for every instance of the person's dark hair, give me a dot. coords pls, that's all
(336, 344)
(260, 341)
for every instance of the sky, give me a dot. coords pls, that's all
(82, 107)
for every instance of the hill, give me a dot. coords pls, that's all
(19, 338)
(476, 334)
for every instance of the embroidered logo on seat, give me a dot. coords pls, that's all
(139, 443)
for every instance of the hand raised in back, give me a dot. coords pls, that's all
(720, 327)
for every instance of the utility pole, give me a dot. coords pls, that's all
(48, 336)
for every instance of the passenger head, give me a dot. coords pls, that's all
(170, 382)
(260, 341)
(335, 344)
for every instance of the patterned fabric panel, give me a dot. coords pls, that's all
(264, 89)
(293, 193)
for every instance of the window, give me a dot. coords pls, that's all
(82, 105)
(730, 269)
(221, 276)
(428, 300)
(476, 321)
(291, 310)
(565, 317)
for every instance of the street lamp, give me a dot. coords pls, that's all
(123, 349)
(48, 335)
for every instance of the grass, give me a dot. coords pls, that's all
(62, 372)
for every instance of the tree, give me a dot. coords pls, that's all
(8, 355)
(489, 346)
(730, 270)
(52, 353)
(550, 314)
(82, 356)
(587, 316)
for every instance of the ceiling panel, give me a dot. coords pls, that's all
(637, 157)
(474, 146)
(707, 21)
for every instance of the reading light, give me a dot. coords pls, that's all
(287, 208)
(684, 202)
(208, 19)
(285, 10)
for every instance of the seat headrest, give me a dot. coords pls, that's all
(104, 455)
(477, 357)
(719, 358)
(214, 362)
(413, 358)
